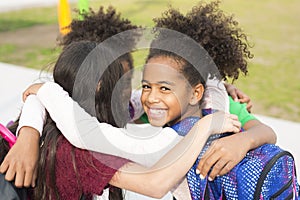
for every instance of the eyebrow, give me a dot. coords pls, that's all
(160, 82)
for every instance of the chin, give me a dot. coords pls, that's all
(157, 123)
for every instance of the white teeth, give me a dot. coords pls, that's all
(156, 111)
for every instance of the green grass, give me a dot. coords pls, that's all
(273, 27)
(15, 20)
(36, 58)
(273, 81)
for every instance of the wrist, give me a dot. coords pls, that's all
(246, 141)
(29, 133)
(205, 124)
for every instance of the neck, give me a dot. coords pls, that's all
(191, 111)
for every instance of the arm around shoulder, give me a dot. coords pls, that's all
(169, 170)
(259, 133)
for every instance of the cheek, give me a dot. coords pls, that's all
(143, 98)
(172, 102)
(177, 102)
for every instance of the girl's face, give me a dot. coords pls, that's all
(167, 97)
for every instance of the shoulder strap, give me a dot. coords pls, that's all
(266, 170)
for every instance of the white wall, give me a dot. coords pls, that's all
(13, 81)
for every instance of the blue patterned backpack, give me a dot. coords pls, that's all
(267, 172)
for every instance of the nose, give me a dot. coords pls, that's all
(153, 96)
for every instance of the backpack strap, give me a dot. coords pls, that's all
(265, 172)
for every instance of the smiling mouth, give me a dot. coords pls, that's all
(156, 113)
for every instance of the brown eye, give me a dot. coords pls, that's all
(165, 89)
(145, 86)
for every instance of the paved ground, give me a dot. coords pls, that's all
(14, 79)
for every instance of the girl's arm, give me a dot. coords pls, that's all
(84, 131)
(20, 162)
(162, 177)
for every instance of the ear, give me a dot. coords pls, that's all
(198, 91)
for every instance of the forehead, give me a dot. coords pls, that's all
(162, 68)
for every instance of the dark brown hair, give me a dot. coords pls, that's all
(218, 33)
(75, 56)
(99, 26)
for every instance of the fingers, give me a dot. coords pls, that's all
(32, 89)
(34, 177)
(3, 167)
(232, 124)
(205, 165)
(229, 166)
(220, 168)
(249, 107)
(243, 98)
(28, 177)
(236, 126)
(210, 159)
(234, 121)
(217, 168)
(239, 96)
(20, 176)
(27, 92)
(15, 171)
(214, 161)
(11, 172)
(25, 95)
(234, 117)
(208, 163)
(232, 91)
(233, 94)
(223, 122)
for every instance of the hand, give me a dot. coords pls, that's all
(222, 156)
(221, 122)
(32, 89)
(20, 164)
(238, 96)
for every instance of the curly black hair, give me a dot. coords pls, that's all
(99, 26)
(216, 32)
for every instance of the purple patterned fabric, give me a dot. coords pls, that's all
(245, 176)
(196, 185)
(241, 181)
